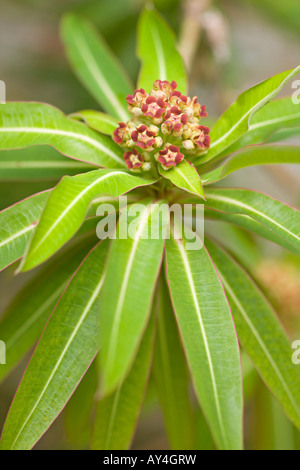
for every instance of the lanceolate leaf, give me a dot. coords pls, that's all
(95, 65)
(100, 122)
(23, 322)
(258, 155)
(277, 115)
(38, 163)
(16, 226)
(158, 54)
(186, 177)
(26, 124)
(79, 410)
(235, 121)
(172, 376)
(63, 354)
(209, 338)
(132, 268)
(67, 207)
(117, 415)
(246, 222)
(283, 134)
(260, 333)
(282, 220)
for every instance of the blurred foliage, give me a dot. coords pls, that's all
(286, 13)
(48, 77)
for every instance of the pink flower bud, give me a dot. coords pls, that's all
(133, 159)
(198, 135)
(170, 156)
(163, 89)
(145, 137)
(121, 133)
(175, 122)
(164, 114)
(154, 109)
(136, 101)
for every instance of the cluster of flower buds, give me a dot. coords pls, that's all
(163, 122)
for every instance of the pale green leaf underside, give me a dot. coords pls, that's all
(38, 162)
(280, 219)
(95, 65)
(184, 176)
(25, 124)
(17, 224)
(64, 353)
(116, 415)
(260, 333)
(265, 124)
(23, 321)
(100, 122)
(79, 410)
(257, 155)
(284, 134)
(132, 268)
(236, 120)
(68, 205)
(158, 54)
(248, 223)
(171, 375)
(207, 330)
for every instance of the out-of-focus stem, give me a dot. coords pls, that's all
(191, 29)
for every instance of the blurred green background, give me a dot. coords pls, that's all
(228, 47)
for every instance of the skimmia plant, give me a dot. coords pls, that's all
(112, 313)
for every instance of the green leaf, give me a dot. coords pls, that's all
(23, 321)
(236, 120)
(25, 124)
(262, 155)
(247, 223)
(275, 116)
(67, 207)
(184, 176)
(100, 122)
(117, 414)
(287, 14)
(61, 358)
(284, 134)
(260, 332)
(158, 54)
(204, 439)
(132, 268)
(95, 66)
(209, 338)
(17, 224)
(171, 375)
(79, 410)
(38, 163)
(282, 220)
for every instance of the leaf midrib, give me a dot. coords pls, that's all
(159, 52)
(251, 209)
(260, 341)
(84, 138)
(96, 72)
(187, 181)
(25, 326)
(206, 345)
(70, 207)
(273, 121)
(256, 106)
(79, 324)
(17, 234)
(116, 326)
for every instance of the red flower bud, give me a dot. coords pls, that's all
(133, 159)
(170, 156)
